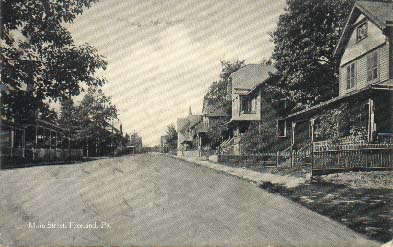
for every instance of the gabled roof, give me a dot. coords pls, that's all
(182, 124)
(211, 109)
(194, 120)
(377, 12)
(251, 75)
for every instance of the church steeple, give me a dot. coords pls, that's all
(189, 111)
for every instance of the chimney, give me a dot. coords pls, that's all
(389, 33)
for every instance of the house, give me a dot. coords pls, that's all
(214, 116)
(365, 93)
(36, 140)
(187, 131)
(246, 95)
(136, 143)
(164, 144)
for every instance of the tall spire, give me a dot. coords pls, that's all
(190, 112)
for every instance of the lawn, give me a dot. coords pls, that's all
(361, 201)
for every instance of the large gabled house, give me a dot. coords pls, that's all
(187, 133)
(246, 94)
(365, 52)
(214, 116)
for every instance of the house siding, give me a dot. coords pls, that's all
(236, 108)
(357, 52)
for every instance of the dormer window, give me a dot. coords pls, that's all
(361, 31)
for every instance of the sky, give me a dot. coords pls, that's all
(163, 54)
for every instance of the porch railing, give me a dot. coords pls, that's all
(12, 152)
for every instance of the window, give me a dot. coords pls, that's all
(372, 66)
(206, 121)
(245, 102)
(281, 128)
(254, 104)
(248, 104)
(351, 80)
(361, 31)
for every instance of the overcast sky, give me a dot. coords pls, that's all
(163, 54)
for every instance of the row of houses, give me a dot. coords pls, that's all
(364, 93)
(42, 140)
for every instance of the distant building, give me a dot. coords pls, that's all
(212, 116)
(164, 144)
(187, 131)
(136, 143)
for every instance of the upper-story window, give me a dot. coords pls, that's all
(245, 102)
(372, 66)
(351, 76)
(361, 31)
(248, 104)
(205, 121)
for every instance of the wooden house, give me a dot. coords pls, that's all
(365, 52)
(246, 95)
(187, 131)
(214, 116)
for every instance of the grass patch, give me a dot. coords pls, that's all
(366, 211)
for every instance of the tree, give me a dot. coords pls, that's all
(39, 59)
(305, 39)
(172, 136)
(218, 91)
(261, 135)
(96, 114)
(70, 119)
(217, 97)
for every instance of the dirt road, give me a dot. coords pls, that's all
(153, 199)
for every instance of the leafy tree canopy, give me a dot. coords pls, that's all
(39, 59)
(96, 113)
(172, 135)
(218, 92)
(305, 39)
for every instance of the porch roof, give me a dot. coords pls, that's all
(314, 109)
(11, 124)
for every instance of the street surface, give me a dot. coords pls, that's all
(152, 199)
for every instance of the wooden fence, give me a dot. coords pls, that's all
(355, 157)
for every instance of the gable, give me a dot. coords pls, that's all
(354, 48)
(251, 76)
(377, 13)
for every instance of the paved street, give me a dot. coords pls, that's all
(153, 199)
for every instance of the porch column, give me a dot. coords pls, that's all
(312, 124)
(371, 121)
(12, 141)
(36, 136)
(293, 143)
(23, 142)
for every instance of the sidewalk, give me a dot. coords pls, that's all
(252, 176)
(360, 201)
